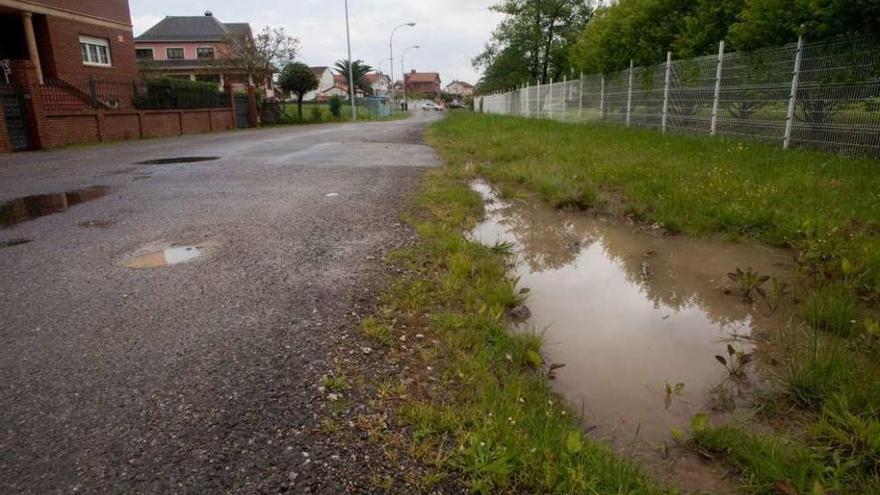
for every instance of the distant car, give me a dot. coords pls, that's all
(429, 106)
(455, 104)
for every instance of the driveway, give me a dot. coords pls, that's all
(198, 377)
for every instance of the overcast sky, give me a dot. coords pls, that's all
(450, 32)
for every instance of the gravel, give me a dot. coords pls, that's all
(201, 377)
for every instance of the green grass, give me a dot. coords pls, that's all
(321, 114)
(491, 417)
(825, 208)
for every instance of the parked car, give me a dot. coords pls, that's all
(429, 106)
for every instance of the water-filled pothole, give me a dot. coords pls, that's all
(178, 159)
(167, 255)
(14, 242)
(631, 313)
(30, 207)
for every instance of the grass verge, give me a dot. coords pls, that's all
(318, 113)
(477, 399)
(822, 206)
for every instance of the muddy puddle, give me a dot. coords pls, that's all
(632, 314)
(157, 257)
(30, 207)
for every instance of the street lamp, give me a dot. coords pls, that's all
(391, 49)
(351, 82)
(403, 72)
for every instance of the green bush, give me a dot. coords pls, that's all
(336, 106)
(315, 114)
(170, 93)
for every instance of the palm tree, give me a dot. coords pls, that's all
(359, 69)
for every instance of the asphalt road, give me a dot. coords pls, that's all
(198, 377)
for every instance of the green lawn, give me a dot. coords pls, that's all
(316, 113)
(825, 208)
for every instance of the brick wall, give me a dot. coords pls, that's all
(5, 145)
(61, 57)
(92, 127)
(115, 10)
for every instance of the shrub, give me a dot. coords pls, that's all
(336, 106)
(315, 114)
(178, 93)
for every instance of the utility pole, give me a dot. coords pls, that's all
(351, 81)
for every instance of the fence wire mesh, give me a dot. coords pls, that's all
(822, 95)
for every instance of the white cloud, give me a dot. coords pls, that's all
(450, 32)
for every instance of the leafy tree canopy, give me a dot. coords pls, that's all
(359, 70)
(532, 42)
(298, 78)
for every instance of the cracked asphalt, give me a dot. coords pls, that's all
(199, 377)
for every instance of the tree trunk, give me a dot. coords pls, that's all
(299, 104)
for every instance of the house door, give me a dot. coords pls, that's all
(241, 111)
(13, 109)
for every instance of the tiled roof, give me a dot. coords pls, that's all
(192, 28)
(422, 77)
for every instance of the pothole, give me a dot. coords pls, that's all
(14, 242)
(158, 256)
(178, 159)
(30, 207)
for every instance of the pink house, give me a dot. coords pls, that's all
(193, 47)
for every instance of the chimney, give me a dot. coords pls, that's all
(208, 13)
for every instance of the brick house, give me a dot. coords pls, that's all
(68, 75)
(194, 47)
(427, 83)
(380, 83)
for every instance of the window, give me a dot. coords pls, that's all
(205, 52)
(144, 53)
(174, 53)
(95, 51)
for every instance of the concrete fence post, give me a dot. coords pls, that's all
(629, 93)
(792, 97)
(663, 118)
(550, 100)
(564, 100)
(581, 97)
(718, 71)
(602, 98)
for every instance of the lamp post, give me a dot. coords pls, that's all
(391, 49)
(403, 72)
(351, 81)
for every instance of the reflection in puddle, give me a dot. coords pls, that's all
(165, 257)
(30, 207)
(629, 312)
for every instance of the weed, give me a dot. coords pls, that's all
(336, 382)
(735, 362)
(671, 390)
(747, 281)
(376, 330)
(777, 293)
(832, 308)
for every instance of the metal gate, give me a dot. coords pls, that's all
(241, 111)
(13, 109)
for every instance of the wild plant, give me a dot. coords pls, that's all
(735, 362)
(747, 281)
(775, 295)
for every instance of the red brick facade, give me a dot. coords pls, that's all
(60, 52)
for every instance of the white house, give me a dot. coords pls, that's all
(326, 83)
(379, 82)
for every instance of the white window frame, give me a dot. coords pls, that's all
(89, 41)
(152, 52)
(213, 50)
(183, 49)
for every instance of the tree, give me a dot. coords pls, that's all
(534, 38)
(359, 70)
(260, 56)
(298, 78)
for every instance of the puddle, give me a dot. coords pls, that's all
(164, 256)
(331, 195)
(178, 159)
(629, 312)
(14, 242)
(30, 207)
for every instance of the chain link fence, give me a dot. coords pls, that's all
(822, 95)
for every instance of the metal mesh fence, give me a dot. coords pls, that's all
(822, 95)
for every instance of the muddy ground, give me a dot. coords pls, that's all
(201, 377)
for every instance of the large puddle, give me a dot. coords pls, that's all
(633, 315)
(30, 207)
